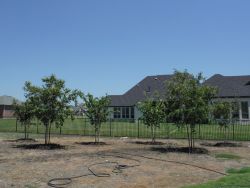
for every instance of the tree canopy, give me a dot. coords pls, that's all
(51, 102)
(96, 111)
(187, 101)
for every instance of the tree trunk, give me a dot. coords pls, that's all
(46, 133)
(153, 133)
(96, 134)
(189, 141)
(25, 132)
(49, 131)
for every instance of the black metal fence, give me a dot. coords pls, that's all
(237, 130)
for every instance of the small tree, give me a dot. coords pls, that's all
(153, 113)
(97, 112)
(24, 113)
(222, 113)
(187, 101)
(52, 102)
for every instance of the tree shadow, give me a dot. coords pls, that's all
(41, 146)
(221, 144)
(180, 150)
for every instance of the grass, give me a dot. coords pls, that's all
(227, 156)
(236, 178)
(133, 129)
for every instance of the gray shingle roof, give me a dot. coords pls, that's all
(7, 100)
(230, 86)
(150, 84)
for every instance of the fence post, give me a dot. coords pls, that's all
(16, 125)
(168, 130)
(138, 124)
(110, 127)
(37, 131)
(85, 125)
(233, 130)
(199, 131)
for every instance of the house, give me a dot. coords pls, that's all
(6, 106)
(235, 89)
(124, 106)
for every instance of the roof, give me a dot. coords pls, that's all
(7, 100)
(230, 86)
(148, 85)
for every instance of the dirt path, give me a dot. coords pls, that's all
(34, 168)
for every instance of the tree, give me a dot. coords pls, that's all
(187, 101)
(24, 113)
(222, 113)
(52, 102)
(153, 113)
(97, 112)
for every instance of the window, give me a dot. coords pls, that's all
(125, 112)
(244, 110)
(235, 110)
(132, 113)
(117, 112)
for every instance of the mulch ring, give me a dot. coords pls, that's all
(180, 150)
(221, 144)
(92, 143)
(22, 140)
(148, 143)
(41, 146)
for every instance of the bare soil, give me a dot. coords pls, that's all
(31, 168)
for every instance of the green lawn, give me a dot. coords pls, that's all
(235, 179)
(134, 129)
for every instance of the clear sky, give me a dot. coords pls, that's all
(107, 46)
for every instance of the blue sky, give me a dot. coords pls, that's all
(107, 46)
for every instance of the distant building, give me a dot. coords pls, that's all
(6, 106)
(234, 89)
(124, 106)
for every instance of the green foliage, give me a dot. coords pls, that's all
(222, 111)
(187, 101)
(236, 178)
(96, 111)
(153, 113)
(24, 113)
(239, 171)
(51, 102)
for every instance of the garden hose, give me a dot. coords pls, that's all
(62, 182)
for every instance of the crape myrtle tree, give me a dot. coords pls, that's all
(153, 113)
(96, 111)
(24, 113)
(52, 102)
(188, 102)
(221, 111)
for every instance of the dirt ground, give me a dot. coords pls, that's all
(34, 168)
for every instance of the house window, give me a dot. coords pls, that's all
(117, 112)
(132, 113)
(235, 110)
(125, 112)
(244, 110)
